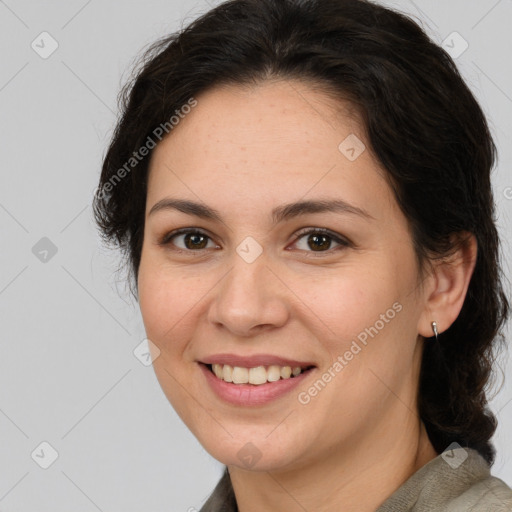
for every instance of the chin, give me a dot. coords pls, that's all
(252, 453)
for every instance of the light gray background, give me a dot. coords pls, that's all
(68, 375)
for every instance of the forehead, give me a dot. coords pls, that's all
(283, 112)
(263, 141)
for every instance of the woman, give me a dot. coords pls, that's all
(302, 190)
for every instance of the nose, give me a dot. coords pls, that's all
(249, 299)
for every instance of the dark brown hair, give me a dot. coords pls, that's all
(422, 122)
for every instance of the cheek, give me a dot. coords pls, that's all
(362, 310)
(167, 301)
(360, 316)
(347, 299)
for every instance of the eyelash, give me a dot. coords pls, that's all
(343, 243)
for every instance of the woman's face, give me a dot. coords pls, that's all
(254, 282)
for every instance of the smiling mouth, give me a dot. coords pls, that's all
(258, 375)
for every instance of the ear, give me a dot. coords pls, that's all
(447, 286)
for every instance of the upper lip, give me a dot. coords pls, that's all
(254, 360)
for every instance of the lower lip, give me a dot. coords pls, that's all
(250, 394)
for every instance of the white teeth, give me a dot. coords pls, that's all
(217, 369)
(286, 372)
(240, 375)
(258, 375)
(226, 373)
(274, 373)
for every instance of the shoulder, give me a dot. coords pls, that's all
(488, 495)
(457, 480)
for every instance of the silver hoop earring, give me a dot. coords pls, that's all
(434, 328)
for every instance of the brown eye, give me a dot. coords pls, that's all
(195, 241)
(320, 240)
(191, 239)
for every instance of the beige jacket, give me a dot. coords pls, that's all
(458, 480)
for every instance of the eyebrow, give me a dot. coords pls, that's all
(279, 214)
